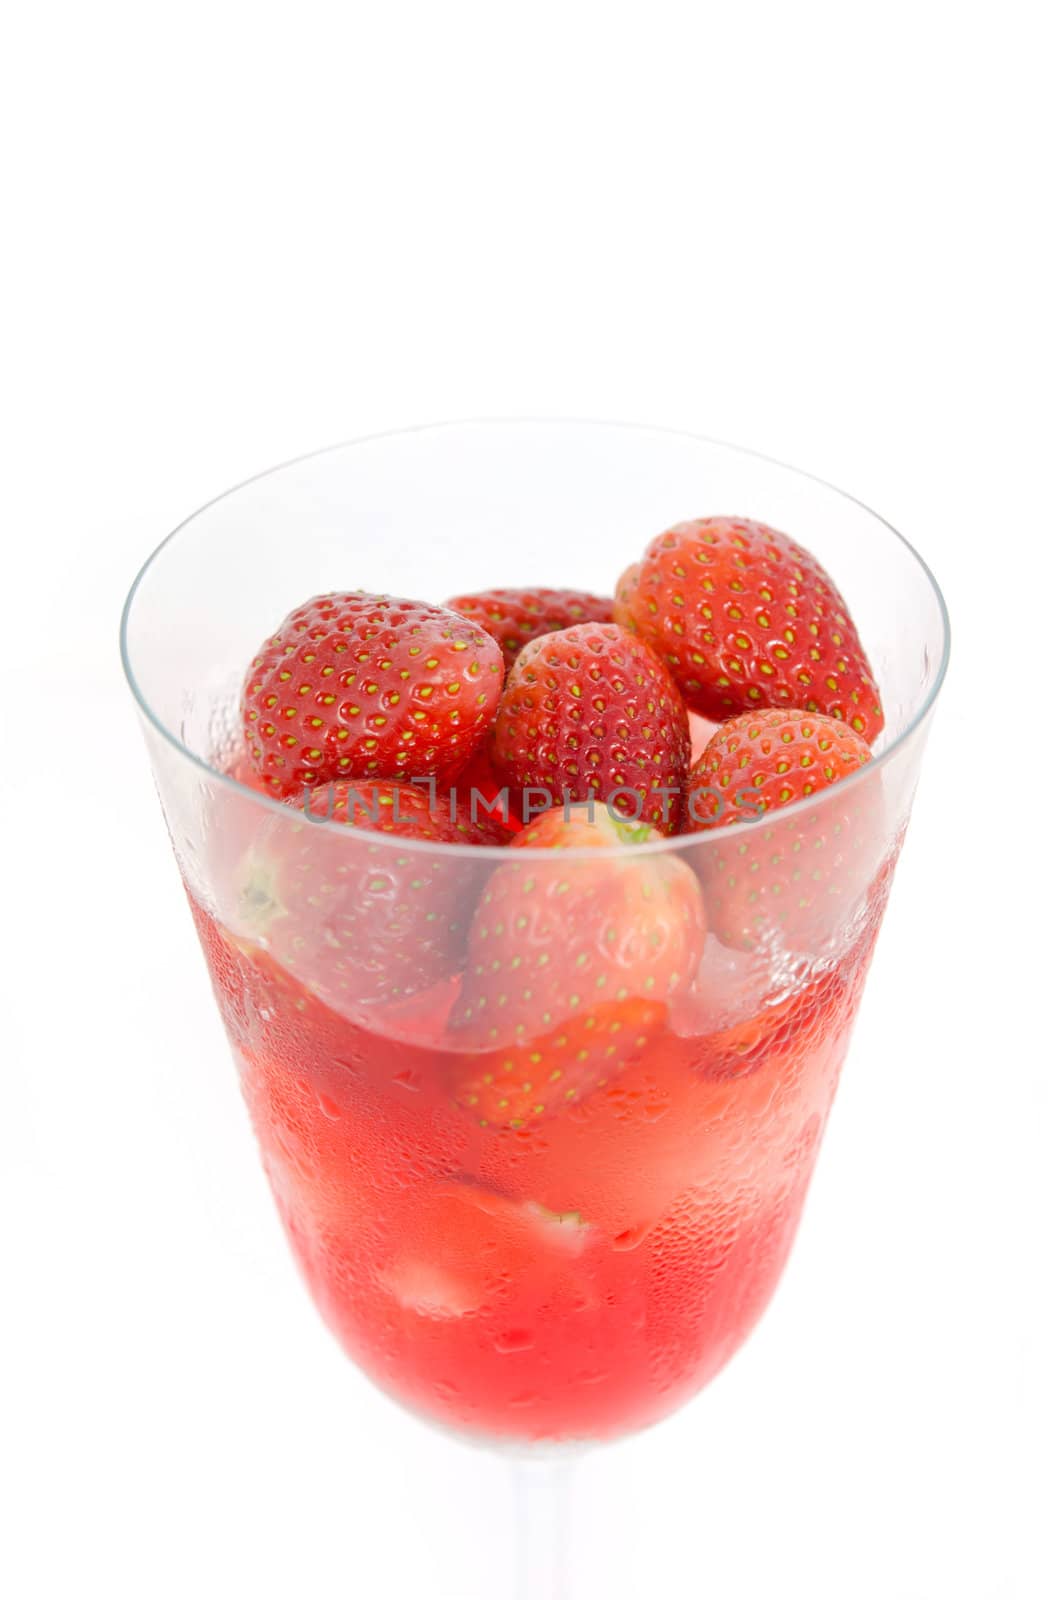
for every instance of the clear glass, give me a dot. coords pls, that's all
(570, 1280)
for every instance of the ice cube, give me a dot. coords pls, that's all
(730, 986)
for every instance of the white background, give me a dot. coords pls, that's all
(237, 232)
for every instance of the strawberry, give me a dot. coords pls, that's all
(511, 1088)
(591, 712)
(454, 1246)
(796, 878)
(746, 618)
(359, 685)
(766, 759)
(359, 921)
(515, 616)
(603, 920)
(408, 810)
(572, 964)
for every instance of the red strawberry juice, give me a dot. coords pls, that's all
(573, 1279)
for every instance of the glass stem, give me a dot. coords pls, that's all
(542, 1527)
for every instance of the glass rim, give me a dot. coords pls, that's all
(673, 842)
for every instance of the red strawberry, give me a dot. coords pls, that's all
(592, 713)
(572, 963)
(603, 919)
(797, 878)
(515, 616)
(356, 919)
(408, 810)
(746, 618)
(766, 759)
(512, 1087)
(366, 686)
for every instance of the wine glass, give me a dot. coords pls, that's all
(570, 1269)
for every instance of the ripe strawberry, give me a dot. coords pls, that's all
(515, 616)
(796, 878)
(407, 810)
(572, 963)
(512, 1087)
(746, 618)
(356, 919)
(592, 713)
(361, 685)
(766, 759)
